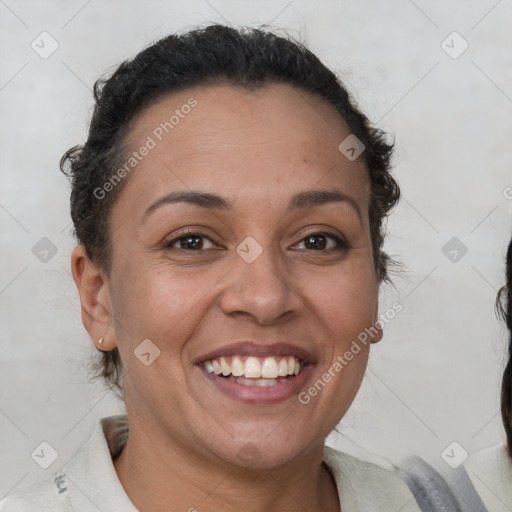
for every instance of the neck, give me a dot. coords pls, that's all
(158, 475)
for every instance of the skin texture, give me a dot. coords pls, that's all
(256, 149)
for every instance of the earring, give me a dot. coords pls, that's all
(100, 341)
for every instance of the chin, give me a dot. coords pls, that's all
(264, 453)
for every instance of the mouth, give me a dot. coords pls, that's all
(254, 373)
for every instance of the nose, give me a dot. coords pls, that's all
(263, 290)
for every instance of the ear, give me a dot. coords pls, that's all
(377, 332)
(94, 290)
(376, 329)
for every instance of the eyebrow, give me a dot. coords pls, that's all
(209, 201)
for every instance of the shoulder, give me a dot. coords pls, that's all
(490, 471)
(87, 482)
(366, 486)
(43, 496)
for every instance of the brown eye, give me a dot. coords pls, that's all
(189, 241)
(320, 241)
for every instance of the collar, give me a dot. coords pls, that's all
(91, 483)
(92, 480)
(490, 470)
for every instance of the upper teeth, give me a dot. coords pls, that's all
(254, 367)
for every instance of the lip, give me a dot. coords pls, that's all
(259, 395)
(250, 348)
(255, 394)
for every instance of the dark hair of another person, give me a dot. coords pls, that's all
(215, 55)
(504, 306)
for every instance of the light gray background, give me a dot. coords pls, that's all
(434, 378)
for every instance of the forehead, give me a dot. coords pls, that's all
(249, 145)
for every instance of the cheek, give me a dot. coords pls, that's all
(346, 314)
(345, 304)
(346, 301)
(158, 302)
(163, 307)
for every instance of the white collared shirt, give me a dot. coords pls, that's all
(89, 482)
(490, 471)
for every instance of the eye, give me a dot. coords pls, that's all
(189, 241)
(320, 241)
(192, 241)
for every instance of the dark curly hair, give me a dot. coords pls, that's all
(504, 308)
(214, 55)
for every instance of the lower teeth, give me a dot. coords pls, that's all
(259, 382)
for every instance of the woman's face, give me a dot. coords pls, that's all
(262, 279)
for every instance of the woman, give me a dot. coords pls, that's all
(490, 470)
(229, 206)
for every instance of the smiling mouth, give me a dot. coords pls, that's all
(255, 371)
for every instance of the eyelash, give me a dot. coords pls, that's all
(342, 245)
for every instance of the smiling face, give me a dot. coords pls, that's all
(241, 246)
